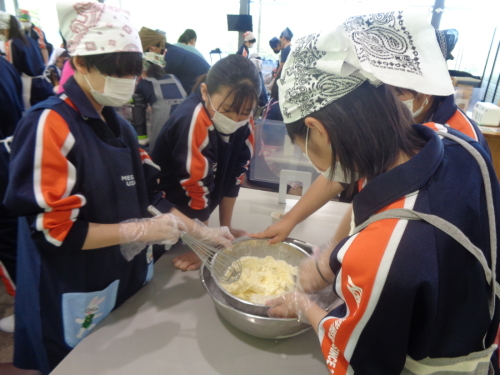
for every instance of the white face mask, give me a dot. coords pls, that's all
(26, 25)
(409, 105)
(224, 124)
(117, 91)
(338, 174)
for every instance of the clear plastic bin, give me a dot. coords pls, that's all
(274, 152)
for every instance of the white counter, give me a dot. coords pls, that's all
(171, 325)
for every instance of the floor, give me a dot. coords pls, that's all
(6, 339)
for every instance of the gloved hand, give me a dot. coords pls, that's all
(212, 236)
(290, 305)
(276, 232)
(314, 273)
(136, 234)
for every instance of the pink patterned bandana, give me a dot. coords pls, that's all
(92, 28)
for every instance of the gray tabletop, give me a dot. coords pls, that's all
(171, 325)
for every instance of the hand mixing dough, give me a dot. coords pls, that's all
(262, 278)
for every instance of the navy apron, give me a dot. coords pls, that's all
(64, 294)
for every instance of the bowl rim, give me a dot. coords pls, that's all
(287, 241)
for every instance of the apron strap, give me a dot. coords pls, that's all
(489, 206)
(445, 226)
(157, 87)
(452, 230)
(175, 82)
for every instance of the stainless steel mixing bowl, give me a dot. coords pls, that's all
(263, 326)
(287, 251)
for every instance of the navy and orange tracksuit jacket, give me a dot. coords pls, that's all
(448, 114)
(409, 289)
(199, 166)
(68, 169)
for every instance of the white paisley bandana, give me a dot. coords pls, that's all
(92, 28)
(397, 48)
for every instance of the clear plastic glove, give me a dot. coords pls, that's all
(291, 305)
(238, 232)
(136, 234)
(314, 273)
(276, 232)
(212, 236)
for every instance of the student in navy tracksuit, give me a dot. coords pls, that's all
(11, 108)
(205, 147)
(23, 52)
(411, 291)
(82, 186)
(424, 109)
(418, 269)
(248, 42)
(286, 47)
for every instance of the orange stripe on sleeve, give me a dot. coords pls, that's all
(197, 165)
(54, 178)
(7, 281)
(8, 51)
(358, 275)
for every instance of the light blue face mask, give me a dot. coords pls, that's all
(338, 174)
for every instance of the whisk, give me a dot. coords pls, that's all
(223, 266)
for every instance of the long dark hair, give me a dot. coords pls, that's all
(238, 74)
(15, 30)
(368, 128)
(187, 36)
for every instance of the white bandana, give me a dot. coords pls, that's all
(397, 48)
(4, 20)
(92, 28)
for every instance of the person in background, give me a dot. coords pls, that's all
(418, 270)
(188, 41)
(54, 67)
(424, 107)
(205, 147)
(248, 42)
(82, 187)
(163, 92)
(186, 66)
(263, 99)
(152, 40)
(11, 109)
(24, 54)
(286, 46)
(36, 33)
(275, 45)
